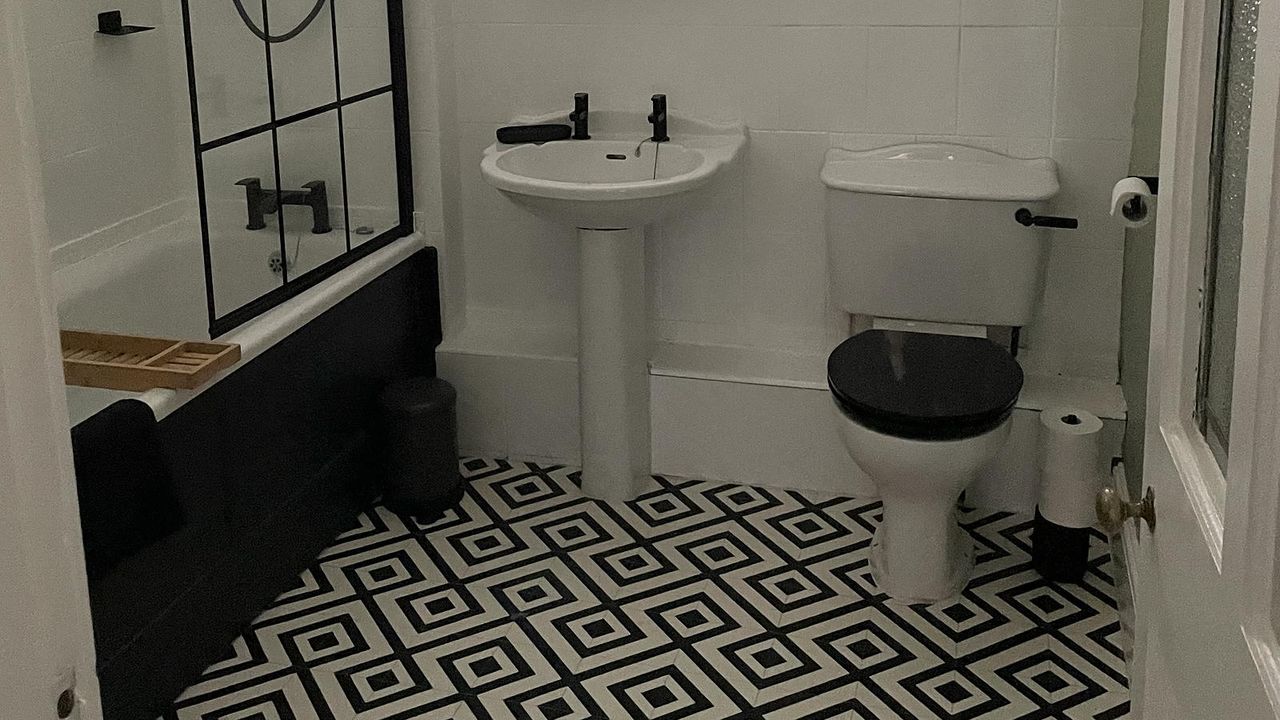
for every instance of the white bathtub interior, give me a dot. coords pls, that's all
(154, 285)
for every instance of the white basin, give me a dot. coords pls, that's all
(601, 184)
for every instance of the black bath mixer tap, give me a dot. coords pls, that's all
(659, 119)
(264, 201)
(581, 117)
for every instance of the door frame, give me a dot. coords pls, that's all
(1236, 511)
(1253, 493)
(46, 637)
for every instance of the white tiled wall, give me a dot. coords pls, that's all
(1028, 77)
(114, 125)
(747, 268)
(106, 111)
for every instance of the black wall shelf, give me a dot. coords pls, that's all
(111, 23)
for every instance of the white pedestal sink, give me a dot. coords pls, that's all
(608, 190)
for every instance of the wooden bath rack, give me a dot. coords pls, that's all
(137, 364)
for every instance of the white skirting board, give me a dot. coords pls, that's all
(777, 436)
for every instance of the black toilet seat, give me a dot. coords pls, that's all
(920, 386)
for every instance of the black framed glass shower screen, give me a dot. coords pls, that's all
(301, 145)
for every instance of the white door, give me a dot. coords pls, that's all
(46, 643)
(1208, 601)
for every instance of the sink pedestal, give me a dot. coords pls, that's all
(613, 363)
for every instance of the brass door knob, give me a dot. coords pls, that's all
(1114, 512)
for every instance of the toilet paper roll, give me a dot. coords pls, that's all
(1132, 202)
(1070, 461)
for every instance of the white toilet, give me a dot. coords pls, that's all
(924, 246)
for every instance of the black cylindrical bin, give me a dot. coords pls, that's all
(1059, 553)
(420, 446)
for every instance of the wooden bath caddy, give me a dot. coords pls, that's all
(137, 364)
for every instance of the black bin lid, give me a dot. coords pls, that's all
(922, 386)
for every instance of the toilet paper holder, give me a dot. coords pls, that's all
(1135, 207)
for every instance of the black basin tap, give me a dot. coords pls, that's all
(581, 116)
(659, 118)
(262, 201)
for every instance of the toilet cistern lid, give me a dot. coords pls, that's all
(940, 170)
(922, 386)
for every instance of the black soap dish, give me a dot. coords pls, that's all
(517, 134)
(111, 23)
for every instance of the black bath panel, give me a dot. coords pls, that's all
(267, 466)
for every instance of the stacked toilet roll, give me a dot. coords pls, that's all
(1070, 458)
(1070, 461)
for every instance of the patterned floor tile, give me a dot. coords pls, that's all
(281, 695)
(697, 600)
(665, 687)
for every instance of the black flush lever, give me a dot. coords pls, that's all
(1030, 219)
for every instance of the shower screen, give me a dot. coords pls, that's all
(300, 123)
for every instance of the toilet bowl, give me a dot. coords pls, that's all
(921, 415)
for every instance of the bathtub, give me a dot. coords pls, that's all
(154, 285)
(260, 468)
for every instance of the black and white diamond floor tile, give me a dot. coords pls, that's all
(698, 600)
(277, 695)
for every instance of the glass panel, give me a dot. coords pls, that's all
(364, 47)
(309, 155)
(241, 258)
(373, 194)
(302, 68)
(278, 199)
(230, 68)
(1231, 163)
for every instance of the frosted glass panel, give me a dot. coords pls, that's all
(1231, 154)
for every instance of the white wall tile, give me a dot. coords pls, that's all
(423, 67)
(699, 256)
(428, 196)
(911, 79)
(422, 14)
(513, 260)
(1008, 12)
(784, 195)
(870, 12)
(1080, 318)
(1123, 13)
(1087, 170)
(1006, 81)
(998, 144)
(542, 408)
(868, 141)
(1029, 147)
(664, 13)
(785, 303)
(780, 437)
(749, 266)
(820, 78)
(1089, 101)
(482, 399)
